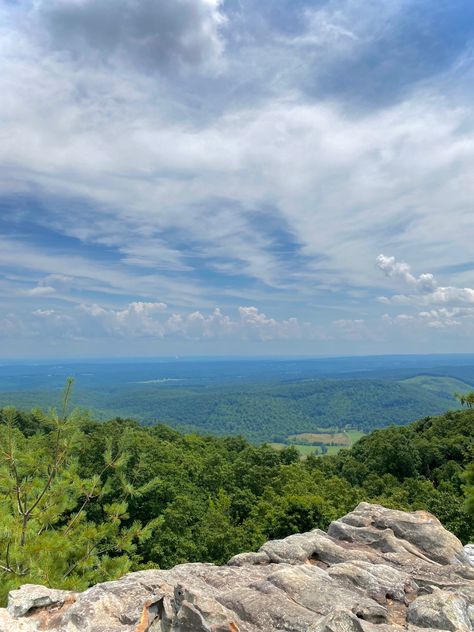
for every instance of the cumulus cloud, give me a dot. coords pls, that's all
(149, 33)
(137, 319)
(154, 320)
(425, 285)
(437, 318)
(401, 270)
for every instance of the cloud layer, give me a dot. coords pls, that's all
(154, 321)
(149, 34)
(211, 155)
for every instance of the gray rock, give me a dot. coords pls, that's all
(378, 581)
(469, 551)
(419, 532)
(31, 596)
(339, 621)
(441, 610)
(376, 570)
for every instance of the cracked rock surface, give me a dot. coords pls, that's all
(376, 570)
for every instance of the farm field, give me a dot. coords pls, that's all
(320, 442)
(314, 438)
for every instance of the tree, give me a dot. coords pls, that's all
(465, 399)
(45, 534)
(469, 488)
(390, 451)
(294, 513)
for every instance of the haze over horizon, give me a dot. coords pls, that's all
(206, 177)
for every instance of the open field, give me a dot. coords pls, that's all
(302, 442)
(346, 438)
(354, 435)
(338, 438)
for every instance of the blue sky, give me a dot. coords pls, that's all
(236, 177)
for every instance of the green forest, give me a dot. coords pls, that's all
(83, 501)
(264, 411)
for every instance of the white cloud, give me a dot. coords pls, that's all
(440, 318)
(290, 157)
(337, 28)
(137, 319)
(40, 290)
(153, 320)
(256, 323)
(85, 275)
(401, 270)
(428, 292)
(150, 163)
(244, 187)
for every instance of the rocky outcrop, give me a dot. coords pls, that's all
(469, 550)
(376, 570)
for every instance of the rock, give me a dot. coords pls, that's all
(441, 610)
(339, 621)
(376, 570)
(31, 596)
(378, 581)
(7, 624)
(469, 551)
(419, 533)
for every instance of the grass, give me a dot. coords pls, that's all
(344, 440)
(339, 438)
(333, 449)
(354, 435)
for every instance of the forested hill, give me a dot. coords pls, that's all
(264, 411)
(83, 501)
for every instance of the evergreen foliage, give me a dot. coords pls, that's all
(465, 399)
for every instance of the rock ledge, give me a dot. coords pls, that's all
(376, 570)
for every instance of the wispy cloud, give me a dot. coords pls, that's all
(201, 153)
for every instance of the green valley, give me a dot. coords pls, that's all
(262, 411)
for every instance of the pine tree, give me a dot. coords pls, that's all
(46, 535)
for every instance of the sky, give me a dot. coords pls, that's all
(247, 177)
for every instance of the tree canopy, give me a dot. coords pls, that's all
(83, 501)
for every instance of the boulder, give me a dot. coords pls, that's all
(442, 610)
(30, 597)
(419, 532)
(376, 570)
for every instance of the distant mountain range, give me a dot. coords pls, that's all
(261, 399)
